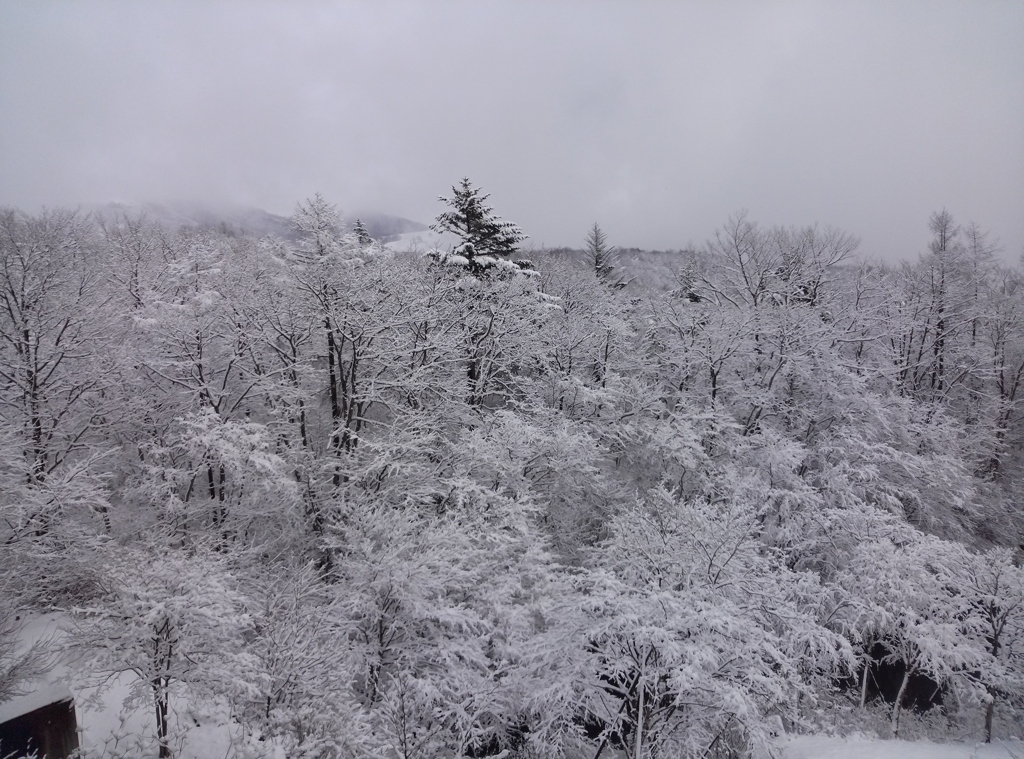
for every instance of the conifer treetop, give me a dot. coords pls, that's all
(485, 238)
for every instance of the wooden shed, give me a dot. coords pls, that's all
(43, 722)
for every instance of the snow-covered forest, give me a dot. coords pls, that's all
(366, 502)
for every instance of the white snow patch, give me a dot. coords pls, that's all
(824, 747)
(112, 720)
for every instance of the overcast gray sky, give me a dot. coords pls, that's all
(656, 119)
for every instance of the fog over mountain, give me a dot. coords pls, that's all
(657, 120)
(251, 221)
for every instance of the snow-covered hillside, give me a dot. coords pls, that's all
(422, 506)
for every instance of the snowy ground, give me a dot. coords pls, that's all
(421, 242)
(114, 723)
(823, 747)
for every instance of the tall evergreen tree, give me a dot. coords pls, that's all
(599, 253)
(486, 239)
(362, 233)
(602, 257)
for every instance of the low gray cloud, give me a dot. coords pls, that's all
(656, 119)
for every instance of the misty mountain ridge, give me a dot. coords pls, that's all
(248, 220)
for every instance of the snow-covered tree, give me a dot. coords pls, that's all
(601, 256)
(486, 240)
(53, 334)
(920, 618)
(292, 683)
(172, 620)
(440, 607)
(362, 233)
(993, 586)
(20, 664)
(698, 643)
(319, 227)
